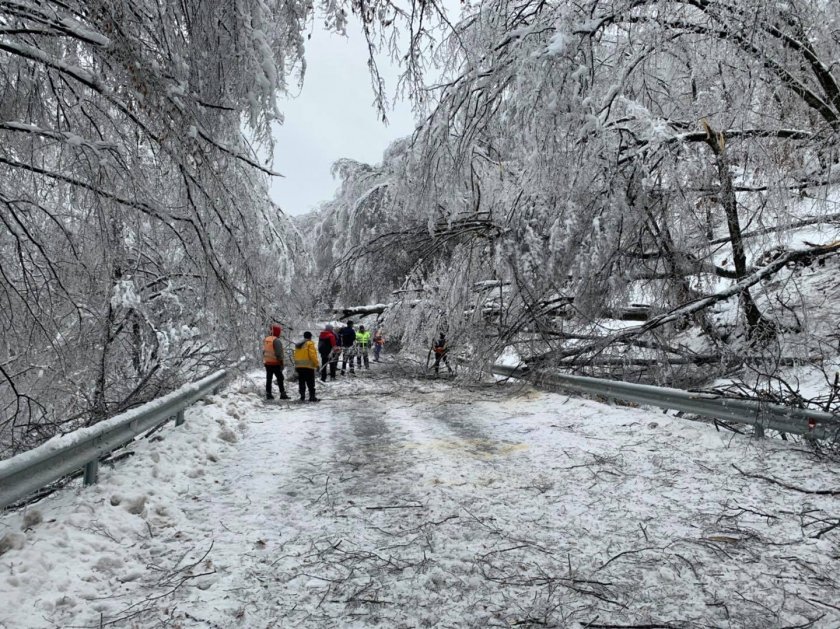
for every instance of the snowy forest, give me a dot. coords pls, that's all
(637, 189)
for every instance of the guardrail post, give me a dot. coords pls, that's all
(179, 418)
(758, 433)
(91, 472)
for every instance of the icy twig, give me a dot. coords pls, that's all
(629, 552)
(380, 507)
(817, 492)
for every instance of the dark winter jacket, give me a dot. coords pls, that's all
(347, 336)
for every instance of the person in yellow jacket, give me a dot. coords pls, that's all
(306, 364)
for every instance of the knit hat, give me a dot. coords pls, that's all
(276, 330)
(328, 326)
(307, 335)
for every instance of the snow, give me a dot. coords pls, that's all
(66, 441)
(558, 43)
(82, 32)
(32, 52)
(73, 139)
(14, 125)
(509, 358)
(587, 26)
(124, 295)
(408, 503)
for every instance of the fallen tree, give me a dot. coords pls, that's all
(345, 312)
(360, 311)
(598, 346)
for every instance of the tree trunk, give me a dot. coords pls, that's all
(758, 327)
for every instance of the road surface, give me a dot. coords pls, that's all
(404, 502)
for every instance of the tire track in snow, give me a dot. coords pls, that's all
(251, 513)
(395, 547)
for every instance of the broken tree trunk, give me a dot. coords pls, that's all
(758, 326)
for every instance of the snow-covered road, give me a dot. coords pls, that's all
(410, 503)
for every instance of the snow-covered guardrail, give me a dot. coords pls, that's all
(29, 471)
(762, 415)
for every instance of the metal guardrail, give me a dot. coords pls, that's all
(29, 471)
(762, 415)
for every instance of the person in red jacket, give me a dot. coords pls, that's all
(273, 361)
(327, 344)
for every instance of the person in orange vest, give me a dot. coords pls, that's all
(273, 361)
(378, 344)
(306, 364)
(441, 350)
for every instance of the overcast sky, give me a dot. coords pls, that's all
(333, 117)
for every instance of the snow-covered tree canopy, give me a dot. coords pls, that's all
(578, 159)
(586, 156)
(137, 241)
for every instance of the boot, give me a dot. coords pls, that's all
(314, 399)
(283, 396)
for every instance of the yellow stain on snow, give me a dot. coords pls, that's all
(483, 449)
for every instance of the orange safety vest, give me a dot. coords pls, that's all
(269, 357)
